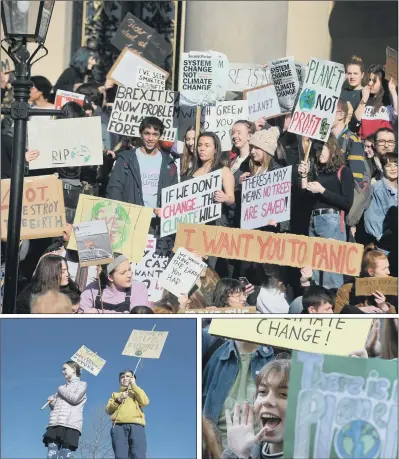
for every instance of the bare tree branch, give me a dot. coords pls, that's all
(95, 442)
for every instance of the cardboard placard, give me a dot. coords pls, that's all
(182, 273)
(286, 81)
(145, 344)
(220, 118)
(391, 68)
(247, 76)
(324, 336)
(156, 257)
(89, 360)
(125, 68)
(215, 310)
(365, 286)
(191, 201)
(264, 247)
(145, 40)
(131, 106)
(66, 143)
(93, 243)
(202, 77)
(266, 197)
(341, 407)
(149, 79)
(127, 224)
(317, 103)
(63, 97)
(262, 102)
(43, 212)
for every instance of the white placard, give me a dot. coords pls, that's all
(247, 76)
(89, 360)
(286, 81)
(145, 344)
(93, 243)
(262, 102)
(182, 272)
(191, 201)
(66, 143)
(150, 79)
(266, 197)
(63, 97)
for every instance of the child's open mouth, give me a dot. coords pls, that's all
(270, 420)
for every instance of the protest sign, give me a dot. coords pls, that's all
(340, 407)
(200, 81)
(142, 38)
(264, 247)
(262, 102)
(43, 212)
(220, 118)
(391, 64)
(325, 336)
(93, 243)
(191, 201)
(182, 273)
(63, 97)
(215, 310)
(155, 259)
(266, 197)
(66, 143)
(317, 103)
(150, 79)
(247, 76)
(286, 81)
(145, 344)
(89, 360)
(127, 224)
(365, 286)
(301, 73)
(131, 106)
(125, 69)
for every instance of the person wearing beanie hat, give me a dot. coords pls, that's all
(40, 92)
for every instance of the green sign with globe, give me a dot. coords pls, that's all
(341, 407)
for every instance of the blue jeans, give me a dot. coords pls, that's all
(129, 441)
(327, 226)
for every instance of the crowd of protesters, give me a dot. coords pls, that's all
(346, 191)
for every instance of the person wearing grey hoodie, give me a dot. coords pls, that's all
(66, 417)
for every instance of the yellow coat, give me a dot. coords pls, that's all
(128, 412)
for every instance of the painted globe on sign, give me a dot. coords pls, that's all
(357, 440)
(81, 151)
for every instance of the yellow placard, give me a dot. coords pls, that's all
(321, 336)
(127, 224)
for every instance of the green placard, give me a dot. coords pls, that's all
(341, 407)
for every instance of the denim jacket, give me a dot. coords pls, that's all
(221, 371)
(384, 197)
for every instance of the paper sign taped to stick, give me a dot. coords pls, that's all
(63, 97)
(182, 273)
(365, 286)
(340, 407)
(125, 69)
(150, 79)
(266, 197)
(156, 257)
(264, 247)
(325, 336)
(131, 106)
(191, 201)
(215, 310)
(220, 118)
(66, 143)
(145, 344)
(317, 103)
(145, 40)
(286, 81)
(43, 212)
(93, 242)
(391, 64)
(89, 360)
(247, 76)
(262, 102)
(127, 224)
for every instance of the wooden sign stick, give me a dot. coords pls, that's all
(307, 151)
(100, 291)
(197, 124)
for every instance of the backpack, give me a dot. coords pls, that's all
(362, 196)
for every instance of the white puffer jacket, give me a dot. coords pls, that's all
(67, 407)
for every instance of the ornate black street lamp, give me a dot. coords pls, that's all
(23, 22)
